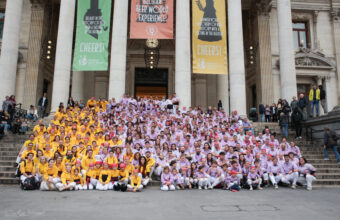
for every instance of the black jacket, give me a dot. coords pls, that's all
(302, 102)
(40, 102)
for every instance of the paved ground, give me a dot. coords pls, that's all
(154, 204)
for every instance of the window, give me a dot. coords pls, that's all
(301, 38)
(2, 19)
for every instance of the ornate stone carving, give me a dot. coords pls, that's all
(263, 7)
(335, 14)
(306, 58)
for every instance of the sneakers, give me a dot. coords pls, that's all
(326, 158)
(205, 187)
(293, 187)
(251, 188)
(199, 187)
(234, 190)
(210, 187)
(260, 188)
(309, 188)
(276, 186)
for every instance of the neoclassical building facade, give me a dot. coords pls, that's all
(276, 49)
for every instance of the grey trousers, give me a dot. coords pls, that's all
(324, 105)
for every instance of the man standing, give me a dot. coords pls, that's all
(314, 98)
(323, 99)
(302, 105)
(42, 105)
(330, 141)
(262, 111)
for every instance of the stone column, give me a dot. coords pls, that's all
(236, 58)
(10, 47)
(33, 71)
(20, 83)
(264, 75)
(78, 85)
(336, 28)
(287, 54)
(223, 91)
(201, 91)
(118, 50)
(183, 53)
(331, 96)
(63, 57)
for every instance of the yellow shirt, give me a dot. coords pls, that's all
(105, 176)
(53, 172)
(135, 181)
(66, 176)
(27, 167)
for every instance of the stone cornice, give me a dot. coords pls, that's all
(263, 7)
(39, 2)
(335, 14)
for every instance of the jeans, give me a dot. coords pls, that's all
(6, 126)
(262, 117)
(31, 117)
(335, 150)
(24, 129)
(316, 104)
(285, 131)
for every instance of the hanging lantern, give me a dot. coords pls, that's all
(151, 53)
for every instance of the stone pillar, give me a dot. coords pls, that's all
(20, 83)
(236, 58)
(336, 28)
(223, 91)
(118, 50)
(33, 71)
(264, 75)
(63, 57)
(287, 54)
(78, 85)
(10, 47)
(201, 91)
(331, 96)
(183, 53)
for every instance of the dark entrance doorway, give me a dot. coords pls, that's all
(151, 82)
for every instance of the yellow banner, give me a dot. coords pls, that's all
(209, 43)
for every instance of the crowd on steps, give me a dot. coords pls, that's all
(124, 144)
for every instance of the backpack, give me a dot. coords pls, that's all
(29, 184)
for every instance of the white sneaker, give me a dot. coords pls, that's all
(326, 158)
(309, 188)
(293, 187)
(199, 187)
(251, 188)
(177, 187)
(205, 187)
(260, 188)
(276, 186)
(210, 187)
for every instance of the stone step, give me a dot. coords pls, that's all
(8, 153)
(327, 175)
(318, 156)
(10, 149)
(8, 180)
(323, 165)
(327, 182)
(12, 158)
(321, 161)
(328, 170)
(7, 174)
(7, 168)
(7, 162)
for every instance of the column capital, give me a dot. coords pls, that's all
(38, 4)
(335, 14)
(263, 7)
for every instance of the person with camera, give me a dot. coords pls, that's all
(330, 141)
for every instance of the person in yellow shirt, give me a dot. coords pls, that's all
(36, 159)
(144, 171)
(78, 180)
(67, 182)
(151, 162)
(111, 159)
(123, 179)
(114, 175)
(87, 160)
(42, 167)
(91, 103)
(104, 178)
(50, 177)
(61, 148)
(28, 151)
(27, 168)
(135, 185)
(129, 167)
(88, 176)
(59, 165)
(69, 158)
(97, 169)
(48, 152)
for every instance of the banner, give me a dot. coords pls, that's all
(209, 37)
(93, 32)
(152, 19)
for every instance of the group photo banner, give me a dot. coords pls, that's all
(92, 35)
(152, 19)
(209, 37)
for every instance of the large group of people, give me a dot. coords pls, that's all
(123, 145)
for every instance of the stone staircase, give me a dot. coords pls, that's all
(328, 172)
